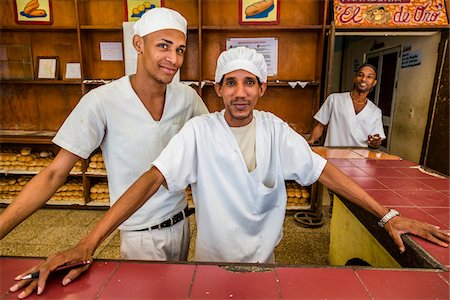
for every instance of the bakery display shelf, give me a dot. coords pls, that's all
(23, 172)
(97, 203)
(38, 28)
(262, 28)
(78, 201)
(96, 174)
(42, 81)
(26, 137)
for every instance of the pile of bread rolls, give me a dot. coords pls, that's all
(96, 164)
(10, 186)
(100, 192)
(27, 160)
(71, 191)
(297, 195)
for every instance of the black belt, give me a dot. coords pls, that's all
(186, 212)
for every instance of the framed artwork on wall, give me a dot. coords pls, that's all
(72, 70)
(134, 9)
(33, 12)
(47, 67)
(259, 12)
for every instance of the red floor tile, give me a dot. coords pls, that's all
(87, 286)
(214, 282)
(352, 171)
(149, 281)
(320, 283)
(382, 172)
(426, 198)
(369, 183)
(402, 184)
(437, 183)
(404, 284)
(389, 198)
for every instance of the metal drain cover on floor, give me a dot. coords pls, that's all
(309, 219)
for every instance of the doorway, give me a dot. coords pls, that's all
(387, 62)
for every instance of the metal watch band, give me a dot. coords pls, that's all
(391, 214)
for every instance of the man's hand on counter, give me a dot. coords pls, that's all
(76, 254)
(400, 225)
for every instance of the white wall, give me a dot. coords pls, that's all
(414, 88)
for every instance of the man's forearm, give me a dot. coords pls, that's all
(341, 184)
(35, 194)
(316, 133)
(145, 187)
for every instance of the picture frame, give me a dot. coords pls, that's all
(47, 67)
(33, 12)
(259, 12)
(134, 9)
(72, 70)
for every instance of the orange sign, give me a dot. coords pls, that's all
(389, 13)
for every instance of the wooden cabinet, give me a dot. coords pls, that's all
(35, 109)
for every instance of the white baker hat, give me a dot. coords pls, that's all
(160, 18)
(241, 58)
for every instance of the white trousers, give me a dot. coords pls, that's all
(170, 243)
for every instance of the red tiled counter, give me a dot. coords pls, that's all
(400, 184)
(149, 280)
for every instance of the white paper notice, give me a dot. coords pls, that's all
(268, 47)
(111, 51)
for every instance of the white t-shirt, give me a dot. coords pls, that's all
(239, 213)
(113, 117)
(345, 127)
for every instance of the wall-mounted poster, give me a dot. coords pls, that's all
(134, 9)
(33, 12)
(389, 13)
(259, 12)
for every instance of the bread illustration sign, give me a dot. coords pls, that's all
(258, 7)
(32, 10)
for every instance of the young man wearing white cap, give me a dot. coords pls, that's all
(236, 162)
(351, 118)
(132, 119)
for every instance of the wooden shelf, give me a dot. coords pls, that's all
(41, 81)
(37, 28)
(262, 28)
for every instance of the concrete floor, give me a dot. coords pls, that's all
(53, 230)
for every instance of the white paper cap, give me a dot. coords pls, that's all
(160, 18)
(241, 58)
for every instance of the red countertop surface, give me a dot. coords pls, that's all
(148, 280)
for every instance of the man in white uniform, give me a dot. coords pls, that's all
(132, 119)
(352, 119)
(236, 161)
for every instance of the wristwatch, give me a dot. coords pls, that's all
(387, 217)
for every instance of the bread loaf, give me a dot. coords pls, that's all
(258, 7)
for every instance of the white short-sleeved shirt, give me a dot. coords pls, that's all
(239, 214)
(114, 118)
(345, 127)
